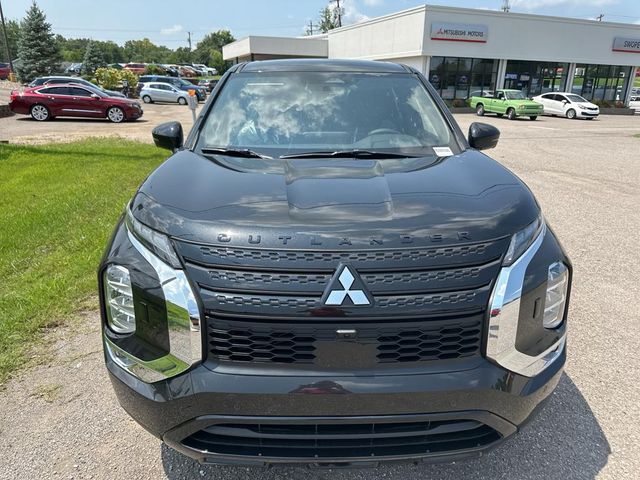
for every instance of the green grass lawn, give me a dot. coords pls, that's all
(59, 204)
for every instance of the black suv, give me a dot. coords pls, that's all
(326, 271)
(180, 83)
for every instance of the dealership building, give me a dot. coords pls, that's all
(467, 51)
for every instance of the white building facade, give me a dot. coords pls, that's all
(467, 51)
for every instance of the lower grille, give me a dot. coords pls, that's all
(342, 441)
(322, 344)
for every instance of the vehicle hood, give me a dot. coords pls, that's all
(463, 198)
(113, 93)
(526, 103)
(587, 104)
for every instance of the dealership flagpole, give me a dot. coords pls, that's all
(6, 40)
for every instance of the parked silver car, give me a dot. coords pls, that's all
(163, 92)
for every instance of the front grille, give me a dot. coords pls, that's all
(387, 342)
(301, 441)
(265, 305)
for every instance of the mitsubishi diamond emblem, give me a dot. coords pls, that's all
(346, 288)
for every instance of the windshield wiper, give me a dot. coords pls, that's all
(235, 152)
(356, 153)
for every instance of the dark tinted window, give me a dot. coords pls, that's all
(55, 91)
(79, 92)
(561, 98)
(548, 96)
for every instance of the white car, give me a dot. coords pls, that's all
(634, 103)
(163, 92)
(568, 105)
(206, 70)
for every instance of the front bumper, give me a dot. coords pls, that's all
(588, 113)
(182, 409)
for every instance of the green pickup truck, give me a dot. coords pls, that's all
(512, 103)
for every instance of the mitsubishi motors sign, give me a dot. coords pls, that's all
(629, 45)
(459, 32)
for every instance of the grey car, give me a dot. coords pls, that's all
(163, 92)
(80, 81)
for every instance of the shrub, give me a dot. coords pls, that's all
(458, 103)
(108, 78)
(130, 77)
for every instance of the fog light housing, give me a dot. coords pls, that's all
(121, 317)
(556, 296)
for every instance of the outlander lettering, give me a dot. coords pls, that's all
(305, 280)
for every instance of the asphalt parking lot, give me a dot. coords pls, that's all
(61, 420)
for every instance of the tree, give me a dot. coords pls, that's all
(218, 62)
(37, 47)
(93, 59)
(329, 19)
(13, 34)
(145, 51)
(211, 42)
(72, 49)
(179, 55)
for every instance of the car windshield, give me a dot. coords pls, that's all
(577, 99)
(515, 95)
(288, 113)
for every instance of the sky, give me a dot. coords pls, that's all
(167, 22)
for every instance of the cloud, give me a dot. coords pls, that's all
(533, 4)
(373, 3)
(352, 14)
(168, 31)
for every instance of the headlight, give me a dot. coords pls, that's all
(555, 299)
(521, 107)
(155, 241)
(119, 300)
(521, 240)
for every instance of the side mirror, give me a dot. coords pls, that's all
(483, 136)
(565, 101)
(95, 96)
(168, 135)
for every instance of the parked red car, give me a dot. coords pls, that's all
(5, 71)
(137, 68)
(72, 100)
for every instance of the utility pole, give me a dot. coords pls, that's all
(599, 17)
(6, 40)
(310, 29)
(506, 7)
(189, 40)
(337, 2)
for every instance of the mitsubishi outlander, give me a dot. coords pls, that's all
(327, 272)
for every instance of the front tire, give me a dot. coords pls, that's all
(571, 114)
(533, 117)
(116, 115)
(147, 99)
(182, 101)
(511, 114)
(480, 110)
(40, 113)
